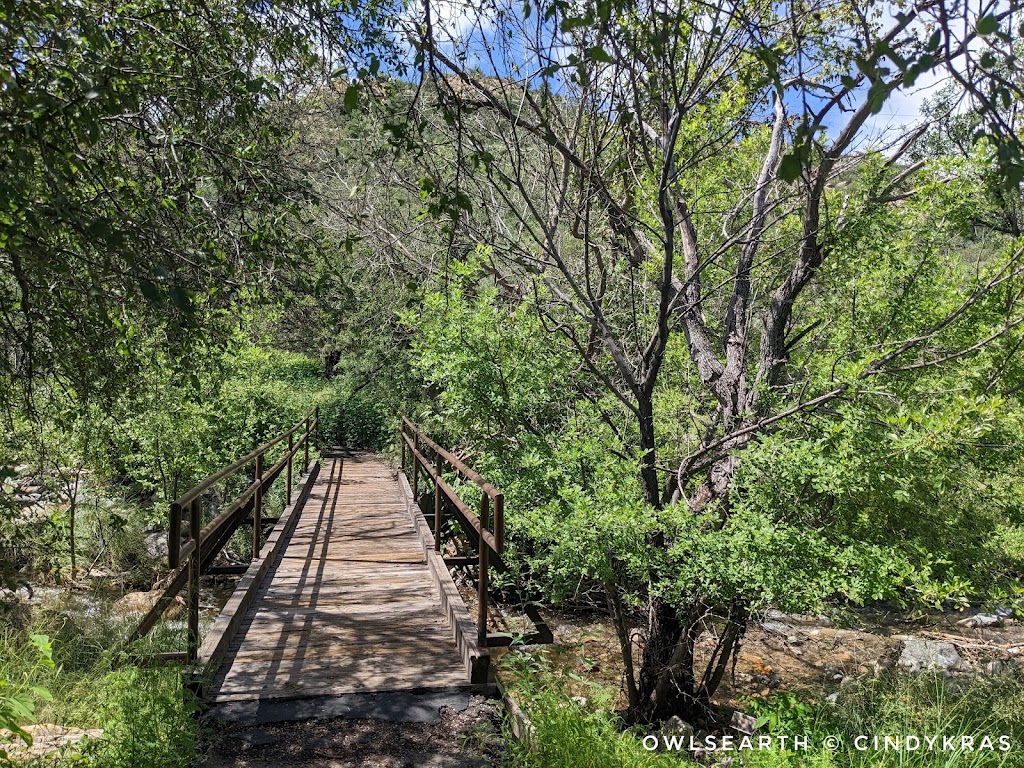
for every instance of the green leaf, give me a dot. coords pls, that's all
(351, 98)
(574, 22)
(149, 290)
(182, 298)
(597, 53)
(790, 167)
(987, 25)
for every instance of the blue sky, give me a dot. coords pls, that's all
(474, 29)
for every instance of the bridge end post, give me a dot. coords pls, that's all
(481, 596)
(174, 536)
(437, 504)
(194, 566)
(291, 452)
(401, 442)
(415, 470)
(257, 509)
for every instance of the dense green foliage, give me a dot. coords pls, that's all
(18, 706)
(875, 499)
(146, 717)
(893, 707)
(745, 353)
(115, 466)
(648, 268)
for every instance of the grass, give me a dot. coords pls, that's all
(146, 716)
(569, 731)
(569, 734)
(963, 711)
(576, 734)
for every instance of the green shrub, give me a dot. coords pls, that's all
(568, 734)
(354, 422)
(18, 695)
(146, 715)
(147, 719)
(567, 731)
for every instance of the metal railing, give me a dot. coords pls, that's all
(191, 556)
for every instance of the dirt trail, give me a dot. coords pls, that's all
(459, 731)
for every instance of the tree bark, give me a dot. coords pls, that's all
(648, 451)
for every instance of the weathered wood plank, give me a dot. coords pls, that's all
(227, 624)
(350, 603)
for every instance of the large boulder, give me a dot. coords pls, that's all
(919, 655)
(156, 545)
(143, 602)
(48, 742)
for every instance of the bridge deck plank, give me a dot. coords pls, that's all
(350, 605)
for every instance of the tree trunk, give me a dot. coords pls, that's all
(71, 536)
(648, 455)
(662, 639)
(714, 490)
(670, 682)
(625, 646)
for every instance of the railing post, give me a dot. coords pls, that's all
(305, 441)
(257, 507)
(316, 418)
(499, 522)
(437, 503)
(415, 467)
(482, 575)
(194, 567)
(401, 442)
(288, 472)
(174, 536)
(481, 595)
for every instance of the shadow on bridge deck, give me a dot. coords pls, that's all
(349, 605)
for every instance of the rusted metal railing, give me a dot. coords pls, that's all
(485, 528)
(192, 555)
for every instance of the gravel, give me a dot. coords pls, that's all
(470, 738)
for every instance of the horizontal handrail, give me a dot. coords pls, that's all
(175, 546)
(488, 540)
(454, 461)
(213, 479)
(496, 539)
(452, 495)
(190, 558)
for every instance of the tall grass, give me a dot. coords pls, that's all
(146, 716)
(569, 734)
(898, 706)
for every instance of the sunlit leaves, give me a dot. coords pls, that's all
(143, 176)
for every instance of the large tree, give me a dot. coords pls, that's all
(145, 175)
(593, 147)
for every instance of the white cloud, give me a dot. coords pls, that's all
(903, 109)
(457, 25)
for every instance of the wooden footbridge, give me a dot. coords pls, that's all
(347, 590)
